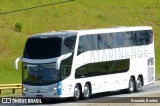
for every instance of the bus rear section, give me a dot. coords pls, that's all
(114, 59)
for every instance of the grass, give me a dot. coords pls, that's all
(78, 14)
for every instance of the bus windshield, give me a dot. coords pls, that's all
(42, 48)
(40, 73)
(48, 47)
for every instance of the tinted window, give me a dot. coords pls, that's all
(42, 48)
(120, 66)
(88, 42)
(68, 44)
(84, 71)
(114, 40)
(111, 67)
(141, 38)
(65, 67)
(103, 68)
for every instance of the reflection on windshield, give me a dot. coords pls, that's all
(40, 73)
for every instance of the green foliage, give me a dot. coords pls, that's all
(18, 27)
(78, 14)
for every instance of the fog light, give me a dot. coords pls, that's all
(23, 94)
(25, 89)
(54, 94)
(54, 88)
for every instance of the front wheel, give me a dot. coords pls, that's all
(76, 93)
(131, 86)
(138, 86)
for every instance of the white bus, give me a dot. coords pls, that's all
(84, 62)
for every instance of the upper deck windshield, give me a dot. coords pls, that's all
(42, 48)
(48, 47)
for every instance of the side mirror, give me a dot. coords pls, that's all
(16, 63)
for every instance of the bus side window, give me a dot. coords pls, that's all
(83, 45)
(64, 72)
(84, 71)
(68, 45)
(79, 50)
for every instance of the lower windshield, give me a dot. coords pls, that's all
(40, 73)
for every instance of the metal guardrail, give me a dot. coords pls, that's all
(10, 86)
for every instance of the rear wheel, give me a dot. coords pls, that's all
(86, 91)
(76, 92)
(138, 86)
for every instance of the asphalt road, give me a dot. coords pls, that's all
(111, 97)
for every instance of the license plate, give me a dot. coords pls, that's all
(39, 96)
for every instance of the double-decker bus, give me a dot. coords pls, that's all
(84, 62)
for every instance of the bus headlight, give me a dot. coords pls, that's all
(53, 88)
(25, 89)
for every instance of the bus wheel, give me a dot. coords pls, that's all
(138, 86)
(86, 92)
(131, 85)
(76, 92)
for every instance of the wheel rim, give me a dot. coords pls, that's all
(86, 91)
(139, 85)
(76, 92)
(131, 86)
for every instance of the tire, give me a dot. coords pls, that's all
(138, 85)
(86, 91)
(131, 87)
(77, 93)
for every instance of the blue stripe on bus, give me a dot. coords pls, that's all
(59, 88)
